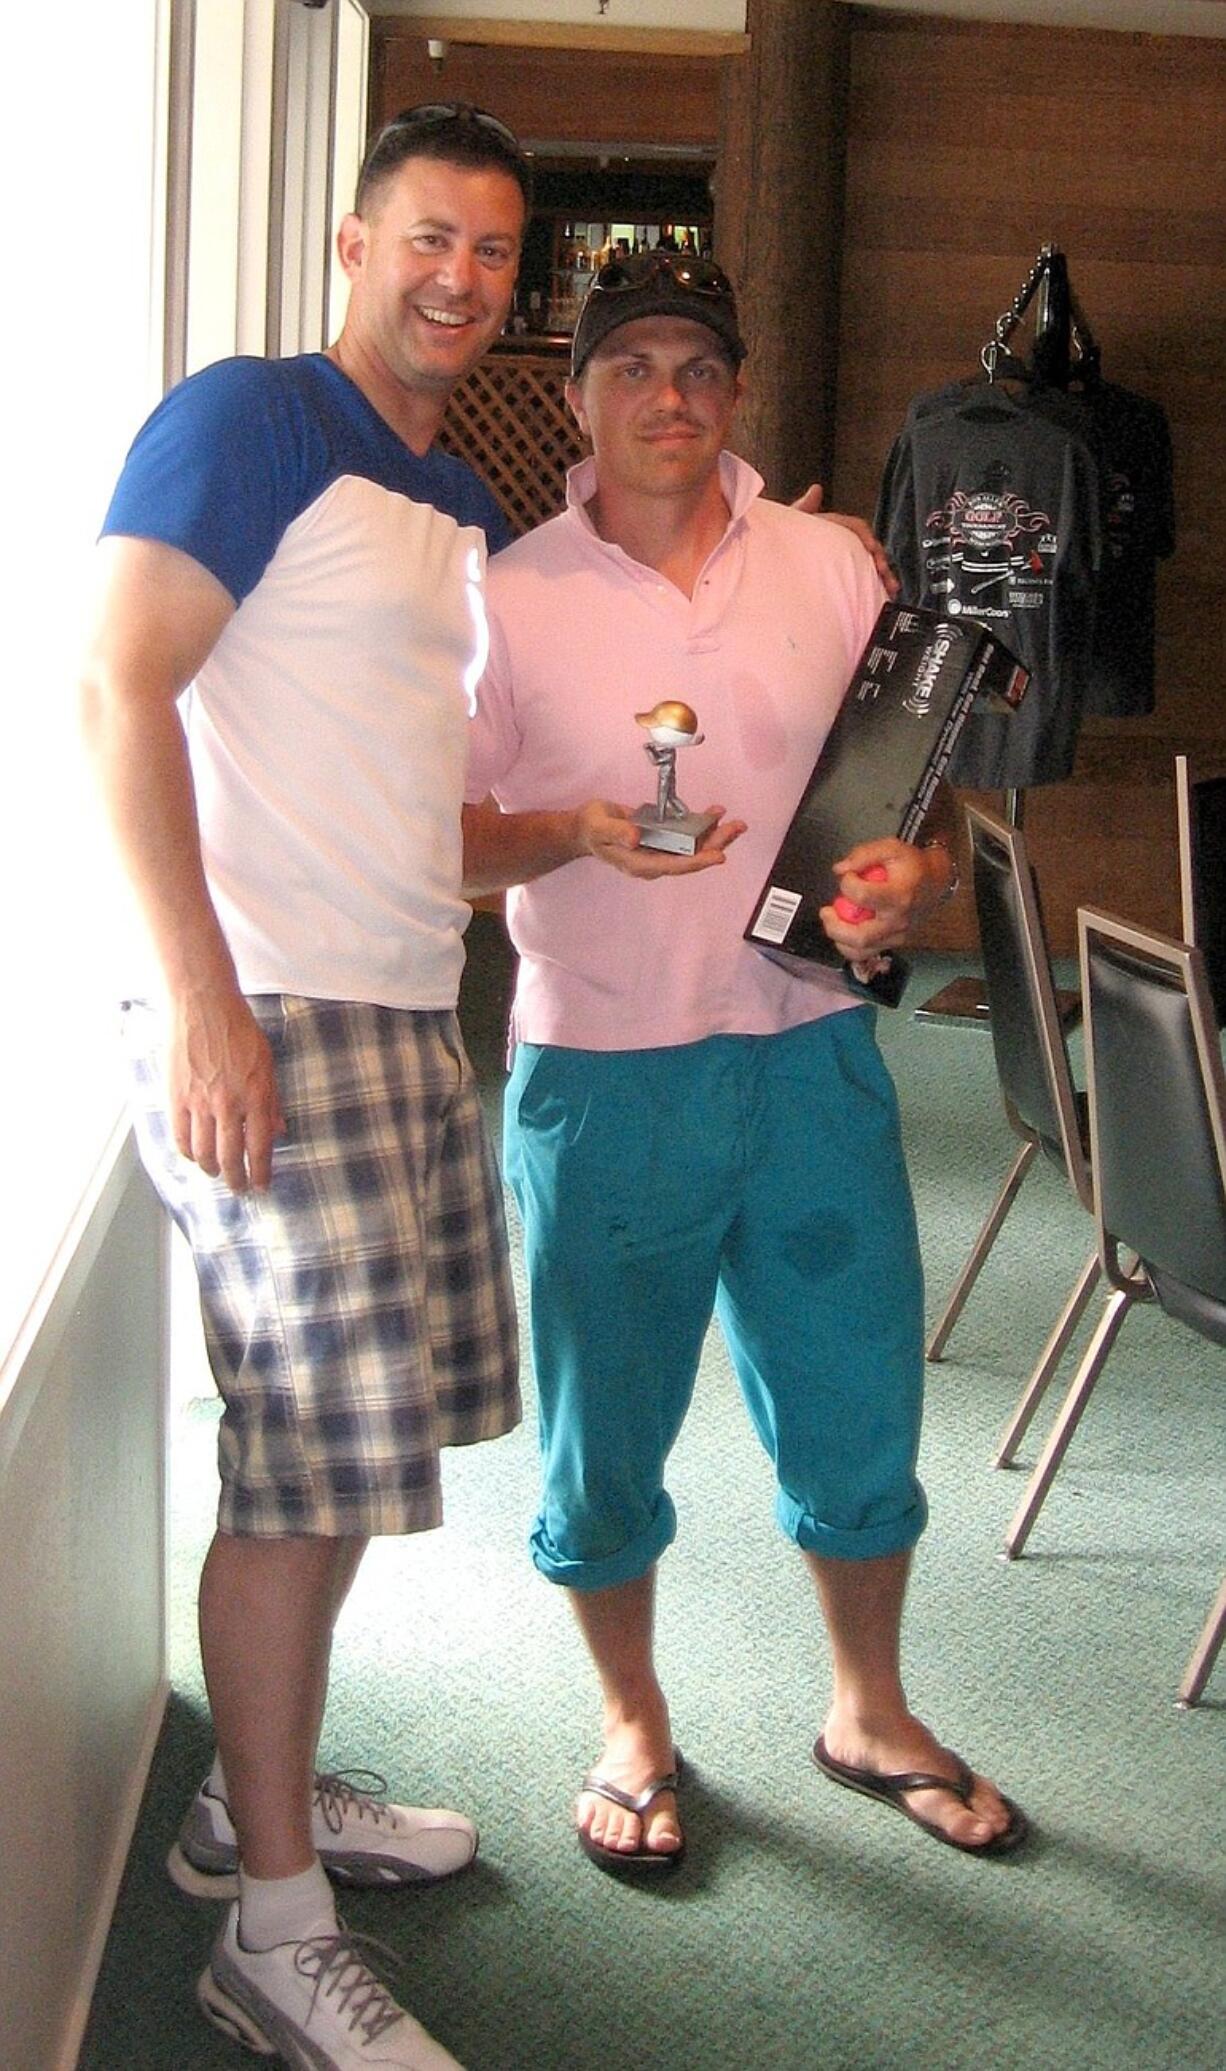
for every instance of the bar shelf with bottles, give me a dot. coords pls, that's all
(548, 309)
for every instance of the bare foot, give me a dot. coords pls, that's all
(906, 1747)
(634, 1756)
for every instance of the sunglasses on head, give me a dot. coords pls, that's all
(432, 113)
(692, 276)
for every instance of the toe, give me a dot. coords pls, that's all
(613, 1827)
(989, 1806)
(662, 1831)
(608, 1825)
(973, 1824)
(592, 1815)
(624, 1832)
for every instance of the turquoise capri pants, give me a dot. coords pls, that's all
(759, 1178)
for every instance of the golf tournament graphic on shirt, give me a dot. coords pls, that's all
(988, 554)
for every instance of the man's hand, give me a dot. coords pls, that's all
(222, 1090)
(811, 504)
(907, 882)
(607, 832)
(515, 848)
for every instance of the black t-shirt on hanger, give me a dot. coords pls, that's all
(1133, 439)
(991, 509)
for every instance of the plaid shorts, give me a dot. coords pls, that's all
(359, 1314)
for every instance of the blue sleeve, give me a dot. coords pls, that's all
(220, 470)
(471, 500)
(498, 533)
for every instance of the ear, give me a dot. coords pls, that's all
(351, 245)
(574, 399)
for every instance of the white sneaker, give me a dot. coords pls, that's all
(315, 2004)
(361, 1839)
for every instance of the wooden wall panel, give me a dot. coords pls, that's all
(970, 145)
(567, 96)
(778, 230)
(968, 148)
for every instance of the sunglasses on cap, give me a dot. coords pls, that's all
(433, 113)
(692, 276)
(656, 284)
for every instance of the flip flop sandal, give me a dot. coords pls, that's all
(620, 1862)
(890, 1791)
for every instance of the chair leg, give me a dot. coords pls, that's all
(1204, 1653)
(1067, 1421)
(1049, 1359)
(982, 1245)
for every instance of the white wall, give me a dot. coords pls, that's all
(80, 365)
(82, 1606)
(81, 1430)
(142, 148)
(348, 140)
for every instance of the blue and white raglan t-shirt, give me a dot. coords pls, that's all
(328, 728)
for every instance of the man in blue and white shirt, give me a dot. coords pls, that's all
(276, 698)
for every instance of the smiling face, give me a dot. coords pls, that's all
(432, 270)
(657, 400)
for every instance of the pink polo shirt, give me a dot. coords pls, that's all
(582, 638)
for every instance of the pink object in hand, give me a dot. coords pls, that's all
(848, 910)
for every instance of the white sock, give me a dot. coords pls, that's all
(215, 1781)
(284, 1909)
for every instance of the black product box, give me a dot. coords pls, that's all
(877, 774)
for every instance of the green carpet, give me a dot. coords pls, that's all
(808, 1927)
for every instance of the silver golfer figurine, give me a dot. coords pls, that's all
(668, 824)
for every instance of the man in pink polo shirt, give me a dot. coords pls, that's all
(691, 1129)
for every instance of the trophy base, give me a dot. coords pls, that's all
(680, 834)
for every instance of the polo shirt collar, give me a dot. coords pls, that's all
(742, 485)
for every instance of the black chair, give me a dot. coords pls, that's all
(1157, 1099)
(1042, 1103)
(1201, 810)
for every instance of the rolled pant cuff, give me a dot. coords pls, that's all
(626, 1565)
(870, 1542)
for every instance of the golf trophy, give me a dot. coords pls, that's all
(667, 824)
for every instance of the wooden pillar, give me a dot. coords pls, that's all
(778, 231)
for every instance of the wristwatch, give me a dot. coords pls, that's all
(947, 892)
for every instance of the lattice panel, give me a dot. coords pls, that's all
(509, 420)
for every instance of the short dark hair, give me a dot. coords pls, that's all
(453, 131)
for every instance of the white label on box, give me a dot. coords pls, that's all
(779, 909)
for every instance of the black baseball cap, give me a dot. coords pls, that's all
(657, 284)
